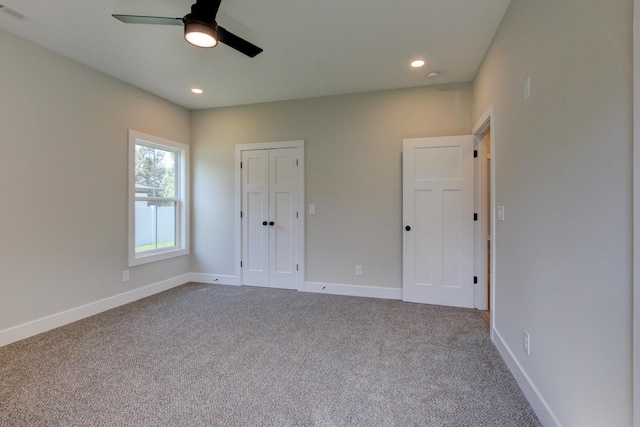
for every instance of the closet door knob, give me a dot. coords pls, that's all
(264, 222)
(272, 223)
(408, 228)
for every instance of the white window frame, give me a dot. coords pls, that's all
(182, 196)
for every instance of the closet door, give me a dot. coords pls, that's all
(283, 182)
(269, 217)
(255, 217)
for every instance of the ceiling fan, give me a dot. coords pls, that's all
(200, 27)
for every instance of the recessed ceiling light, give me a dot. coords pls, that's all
(417, 63)
(196, 90)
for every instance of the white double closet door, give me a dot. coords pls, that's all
(269, 213)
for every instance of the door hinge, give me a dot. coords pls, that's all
(240, 214)
(240, 264)
(297, 269)
(296, 214)
(475, 153)
(475, 216)
(240, 165)
(296, 162)
(475, 280)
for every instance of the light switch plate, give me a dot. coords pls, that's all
(526, 342)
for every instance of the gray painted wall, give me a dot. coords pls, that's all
(563, 171)
(63, 170)
(353, 146)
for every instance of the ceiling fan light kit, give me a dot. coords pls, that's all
(199, 33)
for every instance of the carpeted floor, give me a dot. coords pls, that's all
(206, 355)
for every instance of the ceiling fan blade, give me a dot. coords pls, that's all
(239, 44)
(155, 20)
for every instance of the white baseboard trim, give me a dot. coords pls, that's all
(215, 279)
(35, 327)
(353, 290)
(538, 403)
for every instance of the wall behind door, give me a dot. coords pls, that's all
(353, 147)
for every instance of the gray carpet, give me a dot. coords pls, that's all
(205, 355)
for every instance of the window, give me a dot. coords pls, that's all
(158, 198)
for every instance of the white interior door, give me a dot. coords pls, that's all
(255, 217)
(438, 208)
(269, 217)
(282, 213)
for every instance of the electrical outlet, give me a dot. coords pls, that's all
(526, 342)
(125, 276)
(359, 271)
(527, 88)
(500, 213)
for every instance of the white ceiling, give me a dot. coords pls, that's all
(311, 47)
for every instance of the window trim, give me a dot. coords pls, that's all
(182, 189)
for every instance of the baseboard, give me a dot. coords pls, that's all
(215, 279)
(353, 290)
(48, 323)
(538, 403)
(315, 287)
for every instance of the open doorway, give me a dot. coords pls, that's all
(484, 134)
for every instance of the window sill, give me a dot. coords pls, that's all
(142, 258)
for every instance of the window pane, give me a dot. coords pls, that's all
(165, 174)
(166, 224)
(155, 172)
(155, 225)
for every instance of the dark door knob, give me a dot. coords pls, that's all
(264, 222)
(408, 228)
(272, 223)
